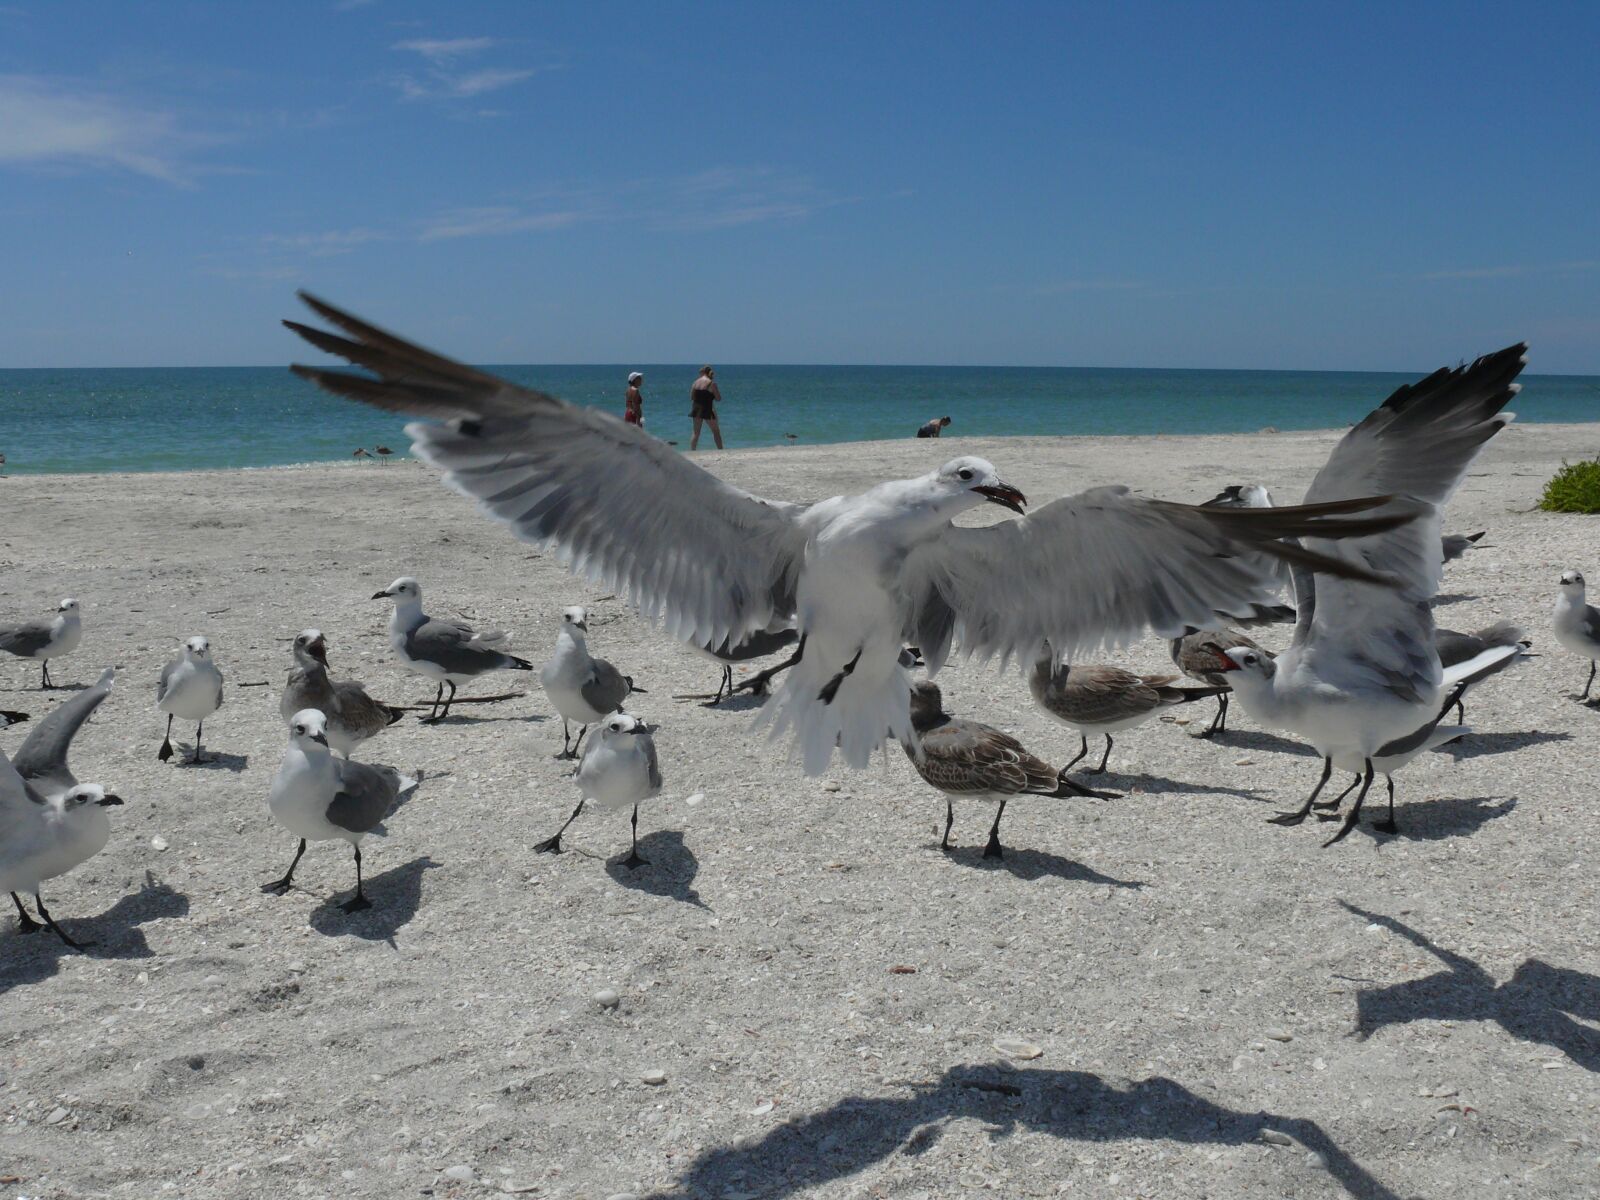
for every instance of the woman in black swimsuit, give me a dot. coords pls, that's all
(703, 397)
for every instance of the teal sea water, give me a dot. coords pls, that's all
(160, 419)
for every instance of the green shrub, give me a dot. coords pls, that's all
(1574, 489)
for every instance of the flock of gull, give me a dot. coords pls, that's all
(864, 591)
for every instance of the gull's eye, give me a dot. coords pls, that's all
(299, 728)
(965, 473)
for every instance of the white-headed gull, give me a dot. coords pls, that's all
(46, 638)
(190, 687)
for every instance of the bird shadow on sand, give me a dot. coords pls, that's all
(36, 956)
(214, 760)
(461, 718)
(669, 871)
(1434, 820)
(396, 894)
(1476, 745)
(1446, 598)
(1033, 864)
(1539, 1003)
(1256, 739)
(1153, 785)
(741, 703)
(811, 1151)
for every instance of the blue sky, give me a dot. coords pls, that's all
(1221, 185)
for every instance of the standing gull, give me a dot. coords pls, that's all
(1454, 545)
(1456, 648)
(1098, 698)
(45, 638)
(966, 758)
(320, 798)
(190, 687)
(862, 574)
(581, 688)
(353, 716)
(1577, 627)
(1190, 655)
(49, 822)
(1362, 671)
(763, 643)
(447, 652)
(619, 769)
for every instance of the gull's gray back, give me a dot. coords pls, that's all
(26, 639)
(366, 796)
(605, 689)
(450, 647)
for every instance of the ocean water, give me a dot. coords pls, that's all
(161, 419)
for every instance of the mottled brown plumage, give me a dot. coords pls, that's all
(1196, 657)
(968, 758)
(1098, 698)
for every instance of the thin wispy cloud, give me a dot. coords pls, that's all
(51, 123)
(445, 76)
(444, 49)
(1515, 270)
(498, 221)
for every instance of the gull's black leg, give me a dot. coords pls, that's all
(199, 727)
(1294, 818)
(757, 683)
(38, 902)
(445, 711)
(949, 820)
(166, 743)
(1083, 750)
(1104, 758)
(635, 859)
(25, 923)
(723, 688)
(1336, 801)
(1222, 714)
(578, 745)
(46, 682)
(279, 886)
(566, 740)
(992, 849)
(831, 688)
(552, 845)
(1387, 825)
(359, 901)
(1355, 809)
(1593, 664)
(1461, 713)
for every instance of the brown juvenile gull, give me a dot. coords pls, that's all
(1099, 698)
(862, 574)
(967, 758)
(353, 716)
(1190, 655)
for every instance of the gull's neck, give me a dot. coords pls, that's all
(407, 613)
(571, 641)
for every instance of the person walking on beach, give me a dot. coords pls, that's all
(633, 414)
(933, 428)
(703, 397)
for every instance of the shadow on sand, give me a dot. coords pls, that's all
(396, 895)
(1539, 1003)
(669, 872)
(30, 958)
(1033, 864)
(809, 1152)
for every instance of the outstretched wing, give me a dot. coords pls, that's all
(1096, 570)
(1416, 447)
(20, 805)
(42, 758)
(703, 557)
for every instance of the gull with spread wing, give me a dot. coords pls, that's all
(1362, 673)
(861, 574)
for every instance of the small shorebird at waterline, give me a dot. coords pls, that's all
(977, 761)
(1577, 627)
(1099, 698)
(862, 574)
(619, 769)
(580, 687)
(448, 652)
(190, 687)
(46, 638)
(323, 798)
(353, 716)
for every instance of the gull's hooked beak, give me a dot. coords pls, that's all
(319, 649)
(643, 729)
(1004, 495)
(108, 798)
(384, 595)
(320, 739)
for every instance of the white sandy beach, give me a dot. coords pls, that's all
(1404, 1016)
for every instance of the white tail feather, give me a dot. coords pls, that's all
(878, 688)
